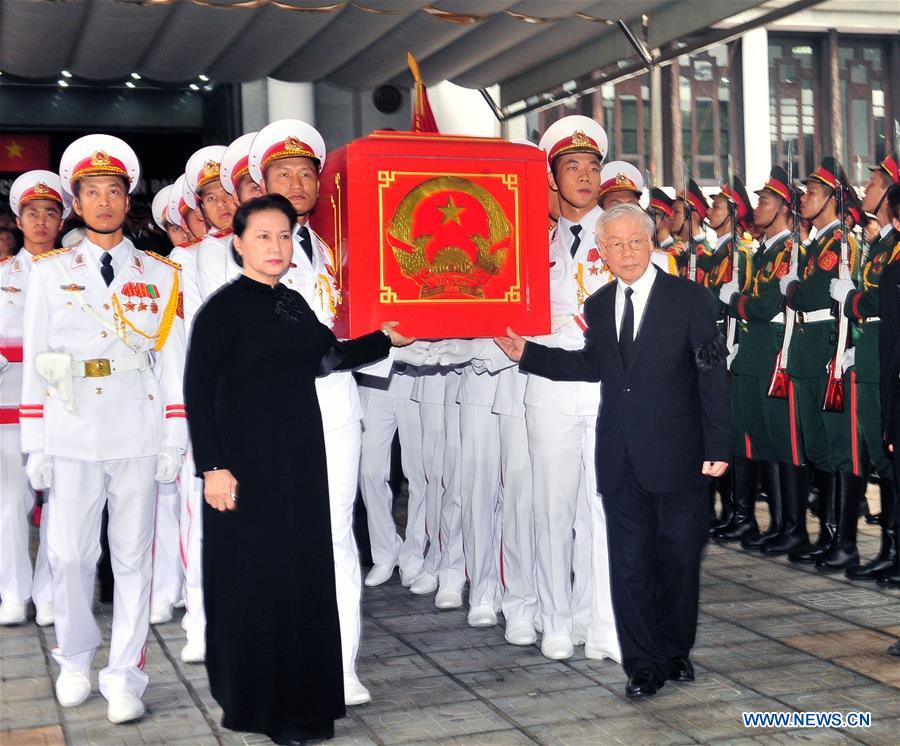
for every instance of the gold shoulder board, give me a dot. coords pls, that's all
(46, 254)
(163, 259)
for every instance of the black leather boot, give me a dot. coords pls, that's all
(794, 489)
(771, 486)
(843, 552)
(744, 481)
(887, 555)
(808, 553)
(726, 495)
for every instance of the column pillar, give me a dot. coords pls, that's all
(757, 135)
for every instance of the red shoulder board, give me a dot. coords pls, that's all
(700, 275)
(827, 260)
(782, 270)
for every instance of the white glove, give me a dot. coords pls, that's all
(415, 354)
(727, 290)
(39, 469)
(455, 351)
(840, 289)
(785, 282)
(3, 362)
(168, 463)
(849, 358)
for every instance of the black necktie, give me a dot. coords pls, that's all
(626, 331)
(305, 242)
(576, 232)
(106, 268)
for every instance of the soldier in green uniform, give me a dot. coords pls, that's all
(860, 304)
(728, 217)
(689, 210)
(825, 435)
(760, 422)
(661, 210)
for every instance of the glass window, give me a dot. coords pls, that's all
(793, 98)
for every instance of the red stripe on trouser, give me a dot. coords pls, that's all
(9, 415)
(792, 416)
(854, 426)
(748, 446)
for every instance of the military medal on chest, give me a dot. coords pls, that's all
(141, 296)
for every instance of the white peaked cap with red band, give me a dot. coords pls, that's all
(574, 134)
(181, 201)
(99, 155)
(33, 185)
(286, 138)
(620, 175)
(159, 208)
(202, 168)
(235, 162)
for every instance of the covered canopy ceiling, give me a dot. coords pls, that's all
(527, 46)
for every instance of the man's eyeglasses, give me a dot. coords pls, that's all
(617, 247)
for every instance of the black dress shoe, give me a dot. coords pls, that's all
(642, 683)
(681, 668)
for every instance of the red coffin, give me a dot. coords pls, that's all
(445, 234)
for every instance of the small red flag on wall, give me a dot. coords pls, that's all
(19, 153)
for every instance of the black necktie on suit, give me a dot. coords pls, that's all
(305, 241)
(626, 332)
(576, 232)
(106, 268)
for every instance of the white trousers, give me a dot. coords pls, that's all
(17, 584)
(431, 419)
(383, 417)
(81, 488)
(602, 639)
(480, 499)
(517, 572)
(168, 572)
(452, 564)
(342, 448)
(563, 477)
(190, 549)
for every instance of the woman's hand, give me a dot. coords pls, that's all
(397, 340)
(220, 489)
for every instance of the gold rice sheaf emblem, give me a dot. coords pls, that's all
(41, 188)
(623, 181)
(99, 158)
(581, 140)
(451, 270)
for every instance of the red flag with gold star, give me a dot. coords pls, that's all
(422, 115)
(20, 153)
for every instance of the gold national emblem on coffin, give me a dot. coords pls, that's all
(72, 287)
(450, 236)
(99, 158)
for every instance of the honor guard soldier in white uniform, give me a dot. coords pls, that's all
(159, 208)
(201, 174)
(102, 418)
(285, 158)
(38, 201)
(561, 417)
(168, 571)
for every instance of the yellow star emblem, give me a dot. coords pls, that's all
(14, 150)
(451, 212)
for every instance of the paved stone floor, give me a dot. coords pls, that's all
(772, 637)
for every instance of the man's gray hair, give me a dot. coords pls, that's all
(620, 212)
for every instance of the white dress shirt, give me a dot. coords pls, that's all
(639, 298)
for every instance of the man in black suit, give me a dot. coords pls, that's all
(663, 430)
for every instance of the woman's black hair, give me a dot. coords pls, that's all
(262, 204)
